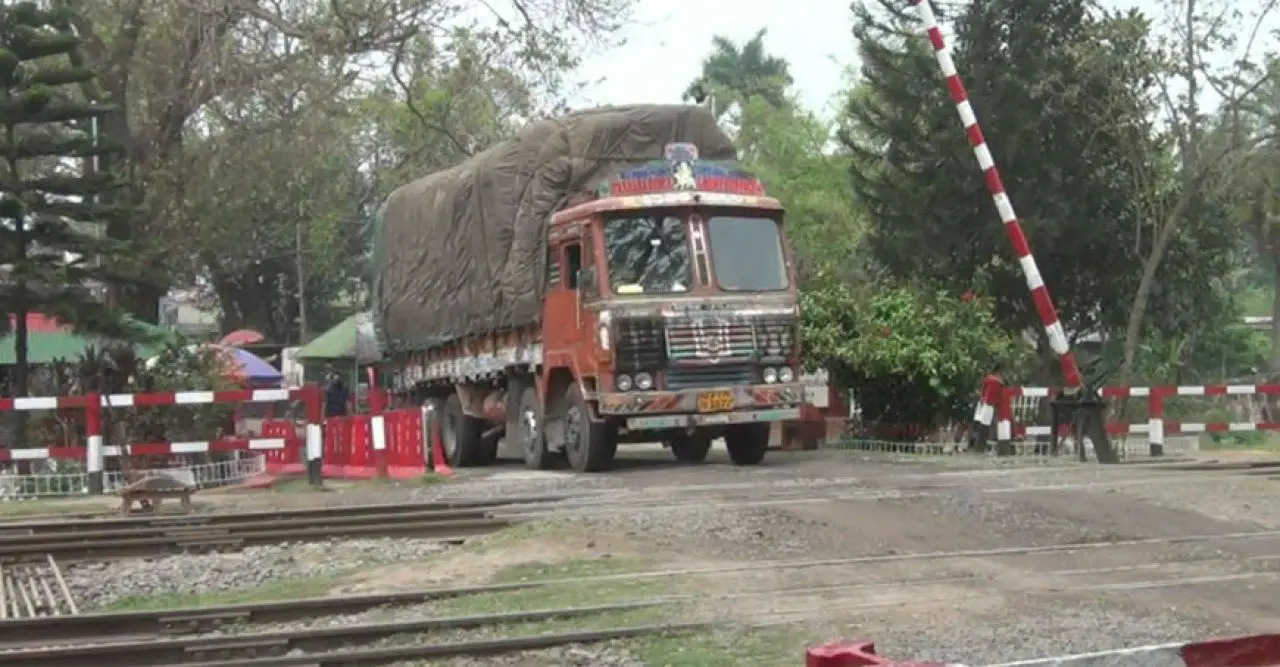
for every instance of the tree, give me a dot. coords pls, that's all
(166, 63)
(789, 149)
(1063, 124)
(1208, 158)
(734, 75)
(50, 209)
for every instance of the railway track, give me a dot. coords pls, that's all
(181, 636)
(32, 590)
(108, 627)
(26, 542)
(282, 647)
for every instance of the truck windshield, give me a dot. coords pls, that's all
(647, 254)
(747, 254)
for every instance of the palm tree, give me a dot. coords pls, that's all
(736, 74)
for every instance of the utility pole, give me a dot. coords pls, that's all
(302, 282)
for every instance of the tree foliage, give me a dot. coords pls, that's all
(51, 207)
(910, 354)
(182, 74)
(1064, 118)
(733, 75)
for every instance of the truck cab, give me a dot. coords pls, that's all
(670, 315)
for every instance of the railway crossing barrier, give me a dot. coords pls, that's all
(95, 450)
(1152, 413)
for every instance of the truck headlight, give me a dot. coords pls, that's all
(602, 333)
(644, 381)
(785, 374)
(622, 382)
(770, 376)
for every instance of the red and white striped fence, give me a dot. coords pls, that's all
(95, 449)
(1020, 411)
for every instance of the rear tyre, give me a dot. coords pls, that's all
(690, 448)
(747, 443)
(590, 445)
(528, 432)
(463, 445)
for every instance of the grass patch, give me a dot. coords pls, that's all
(53, 506)
(1263, 442)
(574, 594)
(288, 589)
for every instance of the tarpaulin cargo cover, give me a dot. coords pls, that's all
(462, 252)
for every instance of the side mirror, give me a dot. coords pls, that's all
(587, 280)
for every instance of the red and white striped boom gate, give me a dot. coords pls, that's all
(1054, 333)
(95, 449)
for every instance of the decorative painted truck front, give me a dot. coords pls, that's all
(696, 302)
(703, 364)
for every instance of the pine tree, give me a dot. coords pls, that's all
(1064, 96)
(52, 205)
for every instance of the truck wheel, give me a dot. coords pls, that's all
(461, 434)
(588, 444)
(529, 434)
(747, 443)
(690, 448)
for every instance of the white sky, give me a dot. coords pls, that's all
(664, 51)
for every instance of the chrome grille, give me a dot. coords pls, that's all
(710, 376)
(707, 339)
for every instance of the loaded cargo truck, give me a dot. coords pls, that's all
(611, 276)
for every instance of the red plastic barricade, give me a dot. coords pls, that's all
(351, 448)
(406, 454)
(348, 448)
(287, 461)
(854, 654)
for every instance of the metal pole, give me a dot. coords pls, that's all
(302, 283)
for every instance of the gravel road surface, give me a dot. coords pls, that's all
(1113, 568)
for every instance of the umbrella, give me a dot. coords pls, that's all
(242, 337)
(240, 365)
(251, 367)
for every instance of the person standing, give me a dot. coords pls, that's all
(336, 395)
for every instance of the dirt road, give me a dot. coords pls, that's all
(956, 560)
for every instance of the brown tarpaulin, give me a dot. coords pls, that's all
(463, 251)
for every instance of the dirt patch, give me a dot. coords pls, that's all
(481, 560)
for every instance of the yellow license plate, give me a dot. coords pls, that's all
(715, 401)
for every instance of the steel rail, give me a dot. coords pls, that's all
(385, 656)
(244, 648)
(72, 547)
(53, 524)
(252, 524)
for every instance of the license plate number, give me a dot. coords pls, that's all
(715, 401)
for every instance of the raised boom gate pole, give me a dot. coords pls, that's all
(1083, 403)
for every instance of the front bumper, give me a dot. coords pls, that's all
(677, 409)
(711, 419)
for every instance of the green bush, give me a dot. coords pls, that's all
(908, 354)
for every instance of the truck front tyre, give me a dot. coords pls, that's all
(463, 444)
(690, 447)
(747, 443)
(529, 433)
(588, 444)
